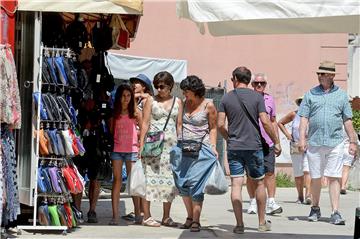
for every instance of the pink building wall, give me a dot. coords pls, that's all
(290, 61)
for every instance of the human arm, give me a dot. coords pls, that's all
(139, 118)
(268, 127)
(221, 125)
(304, 122)
(212, 115)
(179, 118)
(285, 120)
(111, 125)
(145, 122)
(353, 146)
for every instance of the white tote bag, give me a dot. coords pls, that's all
(216, 183)
(137, 180)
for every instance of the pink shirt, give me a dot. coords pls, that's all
(125, 135)
(270, 110)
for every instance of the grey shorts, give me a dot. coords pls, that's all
(269, 161)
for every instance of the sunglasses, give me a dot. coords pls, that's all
(321, 74)
(259, 83)
(161, 87)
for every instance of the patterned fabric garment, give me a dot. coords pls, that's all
(10, 112)
(160, 184)
(1, 183)
(196, 127)
(12, 208)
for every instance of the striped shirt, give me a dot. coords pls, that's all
(326, 111)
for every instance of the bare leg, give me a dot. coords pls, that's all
(307, 181)
(189, 206)
(270, 184)
(334, 191)
(251, 187)
(315, 190)
(197, 206)
(146, 209)
(116, 185)
(299, 182)
(261, 201)
(77, 200)
(236, 199)
(166, 210)
(345, 176)
(94, 191)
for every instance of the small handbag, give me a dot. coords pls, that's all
(294, 148)
(154, 141)
(120, 34)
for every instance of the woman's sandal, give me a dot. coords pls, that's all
(187, 223)
(195, 227)
(168, 222)
(150, 222)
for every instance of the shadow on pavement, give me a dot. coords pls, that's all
(225, 231)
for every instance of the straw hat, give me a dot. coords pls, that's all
(327, 67)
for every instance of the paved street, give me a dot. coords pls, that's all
(218, 220)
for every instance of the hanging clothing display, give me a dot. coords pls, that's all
(9, 175)
(10, 112)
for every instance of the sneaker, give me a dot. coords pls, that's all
(315, 214)
(336, 219)
(343, 191)
(252, 207)
(308, 201)
(265, 227)
(299, 201)
(273, 208)
(92, 217)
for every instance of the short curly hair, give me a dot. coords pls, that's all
(194, 84)
(165, 78)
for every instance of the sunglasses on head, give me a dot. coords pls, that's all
(161, 87)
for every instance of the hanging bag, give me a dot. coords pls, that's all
(120, 34)
(216, 183)
(265, 146)
(137, 180)
(154, 141)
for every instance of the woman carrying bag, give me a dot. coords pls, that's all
(198, 157)
(161, 123)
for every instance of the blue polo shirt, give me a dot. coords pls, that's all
(327, 112)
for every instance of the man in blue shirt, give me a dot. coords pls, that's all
(324, 110)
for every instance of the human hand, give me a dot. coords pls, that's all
(277, 149)
(215, 151)
(302, 145)
(289, 137)
(227, 169)
(353, 148)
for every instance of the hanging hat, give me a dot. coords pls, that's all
(327, 67)
(298, 100)
(145, 80)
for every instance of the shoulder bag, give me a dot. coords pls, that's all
(154, 141)
(265, 146)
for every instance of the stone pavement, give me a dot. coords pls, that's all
(218, 220)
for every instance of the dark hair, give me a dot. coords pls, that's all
(164, 77)
(117, 104)
(242, 74)
(194, 84)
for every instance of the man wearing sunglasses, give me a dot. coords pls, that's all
(259, 82)
(323, 111)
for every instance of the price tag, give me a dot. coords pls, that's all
(98, 24)
(80, 44)
(103, 105)
(98, 77)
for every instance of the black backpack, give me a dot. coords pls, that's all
(102, 35)
(76, 35)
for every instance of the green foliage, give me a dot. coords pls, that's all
(356, 120)
(284, 180)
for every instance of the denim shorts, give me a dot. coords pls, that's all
(124, 156)
(249, 161)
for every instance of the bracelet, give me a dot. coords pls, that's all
(352, 142)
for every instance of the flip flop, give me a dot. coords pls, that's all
(168, 222)
(150, 222)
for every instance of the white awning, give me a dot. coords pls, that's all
(83, 6)
(247, 17)
(125, 66)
